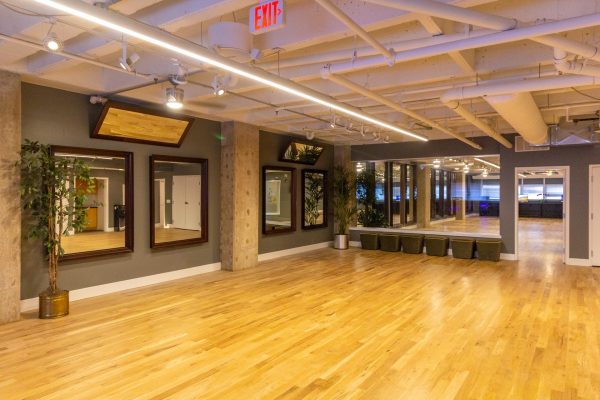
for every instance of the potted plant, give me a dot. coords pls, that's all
(53, 198)
(344, 208)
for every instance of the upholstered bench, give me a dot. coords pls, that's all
(463, 248)
(412, 244)
(369, 241)
(436, 245)
(389, 242)
(489, 249)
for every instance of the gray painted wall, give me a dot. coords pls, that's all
(271, 147)
(64, 118)
(578, 158)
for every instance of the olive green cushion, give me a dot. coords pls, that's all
(369, 241)
(489, 249)
(412, 244)
(436, 245)
(463, 248)
(389, 242)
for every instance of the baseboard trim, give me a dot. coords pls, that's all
(579, 262)
(294, 250)
(113, 287)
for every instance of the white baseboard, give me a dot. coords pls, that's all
(353, 243)
(508, 256)
(93, 291)
(293, 250)
(580, 262)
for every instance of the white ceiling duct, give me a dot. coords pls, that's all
(521, 112)
(232, 40)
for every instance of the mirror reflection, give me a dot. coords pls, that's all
(314, 199)
(279, 199)
(178, 200)
(105, 202)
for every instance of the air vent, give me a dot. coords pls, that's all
(522, 146)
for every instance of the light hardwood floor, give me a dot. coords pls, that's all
(326, 324)
(93, 240)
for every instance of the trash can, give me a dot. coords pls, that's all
(489, 249)
(436, 246)
(389, 242)
(369, 241)
(463, 248)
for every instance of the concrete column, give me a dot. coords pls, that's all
(240, 174)
(342, 158)
(10, 212)
(423, 196)
(460, 202)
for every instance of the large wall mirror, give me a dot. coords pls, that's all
(279, 200)
(314, 198)
(108, 203)
(178, 201)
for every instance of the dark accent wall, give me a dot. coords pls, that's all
(271, 147)
(63, 118)
(578, 158)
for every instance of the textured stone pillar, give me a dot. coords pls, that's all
(460, 201)
(240, 207)
(10, 211)
(342, 158)
(423, 196)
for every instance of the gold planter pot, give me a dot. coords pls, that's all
(53, 305)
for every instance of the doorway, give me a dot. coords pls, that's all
(541, 217)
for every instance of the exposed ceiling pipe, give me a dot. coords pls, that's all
(200, 55)
(563, 65)
(340, 80)
(568, 24)
(484, 127)
(517, 86)
(521, 112)
(448, 11)
(366, 36)
(477, 18)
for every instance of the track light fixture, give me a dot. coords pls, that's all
(218, 86)
(51, 41)
(174, 98)
(485, 173)
(332, 123)
(127, 62)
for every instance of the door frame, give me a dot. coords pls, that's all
(590, 197)
(162, 215)
(566, 199)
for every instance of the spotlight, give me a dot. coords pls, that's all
(387, 139)
(174, 98)
(218, 87)
(52, 43)
(485, 173)
(310, 135)
(332, 124)
(363, 131)
(127, 62)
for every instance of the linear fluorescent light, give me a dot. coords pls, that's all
(487, 162)
(218, 64)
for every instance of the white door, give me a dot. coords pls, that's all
(595, 215)
(178, 202)
(192, 196)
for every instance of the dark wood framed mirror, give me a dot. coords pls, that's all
(278, 199)
(178, 201)
(109, 204)
(314, 198)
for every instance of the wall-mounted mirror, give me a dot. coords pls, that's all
(279, 200)
(108, 203)
(314, 198)
(178, 201)
(302, 153)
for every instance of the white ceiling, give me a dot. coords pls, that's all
(311, 39)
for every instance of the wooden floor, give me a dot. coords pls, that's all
(326, 324)
(172, 234)
(470, 224)
(93, 240)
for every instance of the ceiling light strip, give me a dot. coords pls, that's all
(487, 162)
(93, 14)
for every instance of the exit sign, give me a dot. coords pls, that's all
(267, 16)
